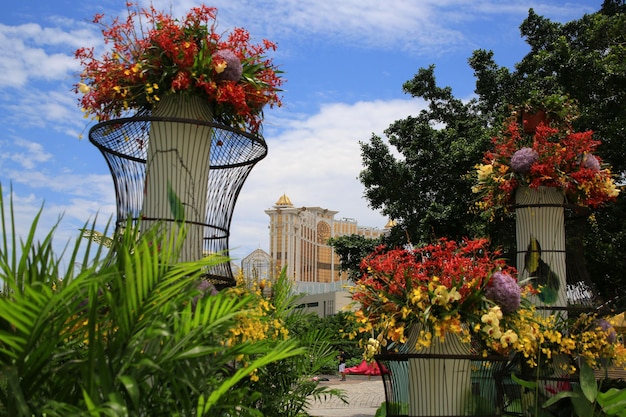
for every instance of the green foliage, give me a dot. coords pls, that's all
(439, 146)
(286, 387)
(351, 250)
(589, 401)
(125, 334)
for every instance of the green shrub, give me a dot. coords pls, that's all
(126, 333)
(287, 387)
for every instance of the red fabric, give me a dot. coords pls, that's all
(364, 368)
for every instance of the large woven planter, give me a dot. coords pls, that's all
(439, 376)
(177, 163)
(177, 166)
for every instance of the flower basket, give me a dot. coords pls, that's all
(194, 91)
(553, 156)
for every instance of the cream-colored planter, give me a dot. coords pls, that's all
(540, 224)
(439, 385)
(178, 156)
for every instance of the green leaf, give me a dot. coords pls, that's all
(582, 406)
(588, 383)
(132, 389)
(524, 383)
(176, 205)
(613, 402)
(284, 350)
(559, 396)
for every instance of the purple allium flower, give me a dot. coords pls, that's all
(233, 69)
(591, 162)
(523, 159)
(611, 336)
(504, 291)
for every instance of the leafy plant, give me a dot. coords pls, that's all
(588, 400)
(125, 333)
(560, 109)
(287, 387)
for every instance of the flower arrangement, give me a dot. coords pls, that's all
(553, 156)
(441, 286)
(153, 54)
(462, 288)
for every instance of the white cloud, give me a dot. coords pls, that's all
(44, 106)
(33, 154)
(316, 162)
(38, 53)
(425, 26)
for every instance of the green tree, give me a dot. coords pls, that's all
(351, 249)
(427, 191)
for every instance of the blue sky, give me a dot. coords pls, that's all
(344, 61)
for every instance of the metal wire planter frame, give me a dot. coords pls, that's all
(124, 142)
(486, 381)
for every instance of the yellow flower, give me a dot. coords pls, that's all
(220, 66)
(508, 338)
(444, 297)
(491, 318)
(83, 88)
(453, 295)
(484, 171)
(492, 331)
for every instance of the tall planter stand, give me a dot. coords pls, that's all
(180, 150)
(540, 235)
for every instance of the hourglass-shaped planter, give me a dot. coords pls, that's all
(178, 153)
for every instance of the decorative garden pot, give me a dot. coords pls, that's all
(540, 233)
(439, 376)
(177, 166)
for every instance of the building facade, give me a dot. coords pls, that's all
(299, 236)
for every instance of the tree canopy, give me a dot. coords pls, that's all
(426, 190)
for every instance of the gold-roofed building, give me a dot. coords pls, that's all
(299, 240)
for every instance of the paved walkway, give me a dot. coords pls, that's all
(364, 394)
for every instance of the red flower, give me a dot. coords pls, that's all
(167, 55)
(559, 164)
